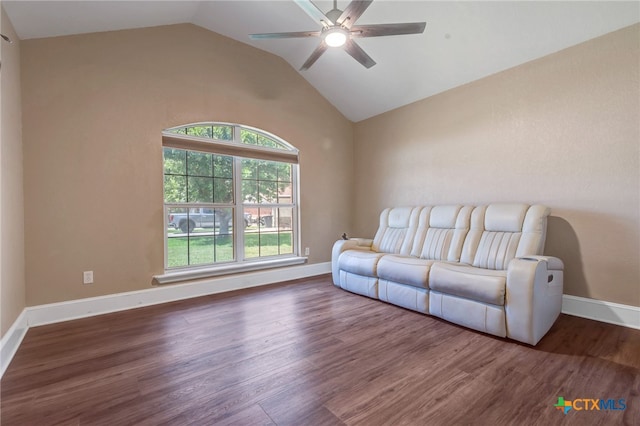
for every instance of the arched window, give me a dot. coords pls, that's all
(230, 199)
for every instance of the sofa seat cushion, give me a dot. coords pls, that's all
(482, 285)
(405, 270)
(360, 262)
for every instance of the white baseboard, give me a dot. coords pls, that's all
(73, 309)
(81, 308)
(11, 340)
(612, 313)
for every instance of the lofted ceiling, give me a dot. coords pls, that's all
(463, 41)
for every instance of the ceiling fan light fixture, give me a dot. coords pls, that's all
(335, 37)
(339, 30)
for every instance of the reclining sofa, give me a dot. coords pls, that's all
(477, 266)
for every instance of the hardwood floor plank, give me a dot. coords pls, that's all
(254, 415)
(294, 410)
(211, 401)
(309, 353)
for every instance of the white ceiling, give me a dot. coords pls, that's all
(463, 41)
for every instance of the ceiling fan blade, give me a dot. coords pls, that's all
(358, 54)
(322, 47)
(285, 35)
(353, 11)
(378, 30)
(313, 11)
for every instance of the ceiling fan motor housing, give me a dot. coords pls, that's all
(333, 15)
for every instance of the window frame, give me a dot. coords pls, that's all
(239, 151)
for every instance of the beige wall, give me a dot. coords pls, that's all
(12, 280)
(93, 109)
(563, 131)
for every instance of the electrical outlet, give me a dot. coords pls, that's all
(306, 251)
(87, 277)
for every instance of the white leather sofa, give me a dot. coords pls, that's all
(481, 267)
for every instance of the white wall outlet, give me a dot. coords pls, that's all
(87, 277)
(306, 251)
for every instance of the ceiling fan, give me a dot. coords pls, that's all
(338, 30)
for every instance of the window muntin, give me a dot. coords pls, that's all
(266, 181)
(207, 193)
(197, 177)
(209, 243)
(211, 131)
(223, 132)
(273, 236)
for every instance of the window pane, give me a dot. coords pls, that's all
(175, 161)
(223, 191)
(248, 137)
(252, 234)
(273, 235)
(268, 243)
(224, 248)
(285, 218)
(177, 240)
(180, 131)
(173, 214)
(249, 169)
(186, 222)
(201, 250)
(284, 196)
(200, 190)
(175, 189)
(267, 170)
(223, 166)
(224, 221)
(268, 191)
(254, 214)
(203, 218)
(251, 245)
(199, 164)
(224, 133)
(285, 243)
(266, 219)
(285, 238)
(177, 251)
(250, 215)
(284, 172)
(268, 142)
(250, 191)
(201, 131)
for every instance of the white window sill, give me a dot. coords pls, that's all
(192, 274)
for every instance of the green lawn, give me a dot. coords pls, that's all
(200, 250)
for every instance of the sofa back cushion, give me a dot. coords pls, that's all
(500, 232)
(396, 231)
(441, 232)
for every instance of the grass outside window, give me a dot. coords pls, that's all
(201, 250)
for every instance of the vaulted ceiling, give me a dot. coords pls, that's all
(463, 41)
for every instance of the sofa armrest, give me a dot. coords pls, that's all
(342, 245)
(533, 298)
(553, 263)
(363, 242)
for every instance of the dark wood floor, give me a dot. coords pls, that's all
(308, 353)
